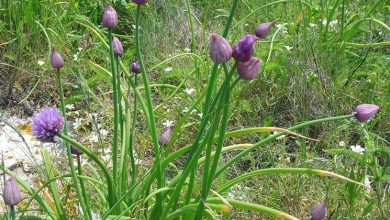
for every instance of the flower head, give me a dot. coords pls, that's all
(140, 2)
(56, 59)
(220, 49)
(358, 149)
(135, 67)
(249, 70)
(74, 150)
(11, 192)
(117, 46)
(318, 212)
(243, 50)
(47, 124)
(364, 112)
(262, 30)
(110, 18)
(165, 137)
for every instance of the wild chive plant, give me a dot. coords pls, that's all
(192, 192)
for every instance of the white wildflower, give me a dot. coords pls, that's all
(367, 182)
(324, 22)
(312, 25)
(200, 114)
(168, 69)
(69, 106)
(189, 91)
(357, 149)
(288, 48)
(93, 138)
(40, 62)
(77, 123)
(186, 109)
(187, 50)
(168, 123)
(282, 28)
(75, 56)
(341, 143)
(103, 132)
(80, 49)
(333, 23)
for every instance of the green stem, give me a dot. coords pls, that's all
(12, 213)
(152, 127)
(111, 190)
(82, 184)
(68, 147)
(116, 108)
(132, 138)
(273, 137)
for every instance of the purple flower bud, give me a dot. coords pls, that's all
(220, 49)
(262, 30)
(56, 59)
(11, 192)
(243, 50)
(47, 124)
(364, 112)
(318, 212)
(117, 46)
(165, 137)
(110, 18)
(249, 70)
(140, 2)
(74, 150)
(135, 67)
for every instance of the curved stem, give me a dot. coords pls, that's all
(68, 147)
(111, 190)
(273, 137)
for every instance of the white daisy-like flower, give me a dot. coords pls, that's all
(282, 28)
(367, 182)
(77, 123)
(168, 123)
(341, 143)
(333, 23)
(357, 149)
(104, 132)
(69, 106)
(288, 48)
(168, 69)
(186, 109)
(93, 138)
(189, 91)
(40, 62)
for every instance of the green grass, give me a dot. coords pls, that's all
(324, 74)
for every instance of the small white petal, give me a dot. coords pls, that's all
(40, 62)
(168, 69)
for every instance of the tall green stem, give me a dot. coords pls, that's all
(149, 105)
(110, 185)
(132, 138)
(68, 147)
(116, 108)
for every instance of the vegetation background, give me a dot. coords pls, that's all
(318, 62)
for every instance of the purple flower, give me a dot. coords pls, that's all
(262, 30)
(11, 192)
(318, 212)
(249, 70)
(74, 150)
(243, 50)
(140, 2)
(135, 67)
(117, 46)
(165, 137)
(110, 18)
(47, 124)
(364, 112)
(56, 59)
(220, 49)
